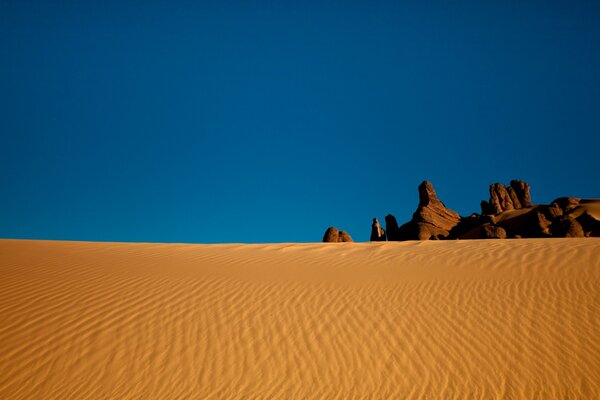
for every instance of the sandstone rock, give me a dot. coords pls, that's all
(427, 231)
(465, 225)
(536, 225)
(333, 235)
(543, 224)
(567, 226)
(344, 237)
(431, 219)
(590, 225)
(489, 231)
(515, 197)
(486, 208)
(499, 198)
(566, 204)
(522, 192)
(377, 232)
(391, 227)
(551, 212)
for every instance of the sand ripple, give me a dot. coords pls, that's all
(511, 319)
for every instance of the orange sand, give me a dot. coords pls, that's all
(496, 319)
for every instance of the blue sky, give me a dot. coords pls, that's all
(237, 121)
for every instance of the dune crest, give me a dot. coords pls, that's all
(471, 319)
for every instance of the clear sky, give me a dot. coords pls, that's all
(268, 121)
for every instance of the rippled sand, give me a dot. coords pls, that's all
(504, 319)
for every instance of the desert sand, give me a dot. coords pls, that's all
(479, 319)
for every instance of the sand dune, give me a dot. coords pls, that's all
(505, 319)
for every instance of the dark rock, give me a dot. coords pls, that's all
(590, 225)
(551, 212)
(566, 204)
(484, 231)
(515, 197)
(486, 208)
(432, 218)
(567, 226)
(465, 225)
(508, 213)
(377, 232)
(489, 231)
(331, 235)
(408, 231)
(391, 227)
(499, 198)
(536, 225)
(427, 231)
(344, 237)
(522, 192)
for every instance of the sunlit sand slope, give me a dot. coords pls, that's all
(504, 319)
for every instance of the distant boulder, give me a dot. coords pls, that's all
(345, 237)
(333, 235)
(377, 232)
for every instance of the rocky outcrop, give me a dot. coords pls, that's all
(521, 190)
(432, 217)
(377, 232)
(333, 235)
(509, 213)
(431, 220)
(566, 204)
(567, 226)
(515, 197)
(489, 231)
(535, 225)
(391, 227)
(590, 225)
(345, 237)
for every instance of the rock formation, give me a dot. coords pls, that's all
(377, 232)
(515, 197)
(345, 237)
(521, 190)
(431, 219)
(333, 235)
(567, 226)
(432, 216)
(509, 213)
(391, 227)
(590, 225)
(489, 231)
(566, 204)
